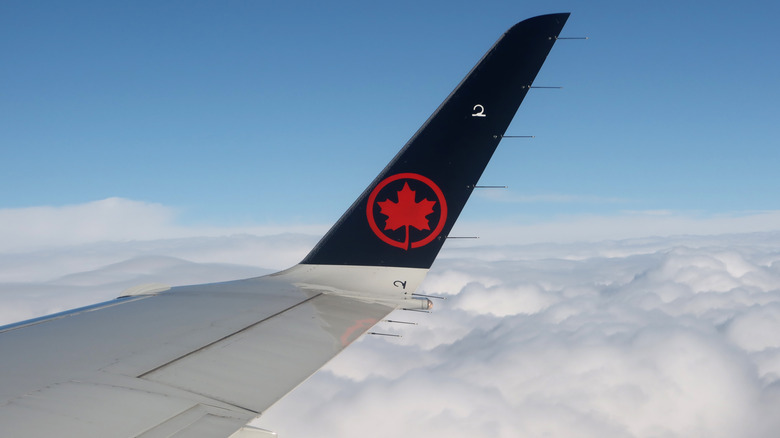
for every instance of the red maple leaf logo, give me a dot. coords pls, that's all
(406, 212)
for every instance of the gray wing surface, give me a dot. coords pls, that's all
(193, 361)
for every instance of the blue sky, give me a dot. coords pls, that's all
(265, 112)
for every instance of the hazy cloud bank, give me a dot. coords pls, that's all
(115, 220)
(42, 281)
(124, 220)
(618, 226)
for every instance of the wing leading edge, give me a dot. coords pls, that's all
(203, 360)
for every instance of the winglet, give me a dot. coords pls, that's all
(404, 216)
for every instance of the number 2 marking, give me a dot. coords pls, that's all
(480, 111)
(400, 283)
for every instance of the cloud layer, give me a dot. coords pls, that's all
(664, 337)
(123, 220)
(618, 226)
(650, 337)
(111, 219)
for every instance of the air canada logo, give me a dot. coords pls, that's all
(407, 210)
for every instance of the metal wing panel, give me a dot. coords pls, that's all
(256, 367)
(135, 336)
(119, 370)
(71, 405)
(195, 422)
(86, 409)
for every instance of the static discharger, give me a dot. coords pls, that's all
(429, 296)
(392, 321)
(487, 187)
(392, 335)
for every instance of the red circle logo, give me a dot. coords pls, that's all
(407, 204)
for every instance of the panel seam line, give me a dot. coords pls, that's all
(141, 376)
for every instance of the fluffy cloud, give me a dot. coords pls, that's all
(663, 337)
(648, 337)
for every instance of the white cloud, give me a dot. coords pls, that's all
(756, 329)
(658, 339)
(112, 219)
(659, 336)
(504, 300)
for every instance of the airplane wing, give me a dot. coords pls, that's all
(204, 360)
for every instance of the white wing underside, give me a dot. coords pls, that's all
(193, 361)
